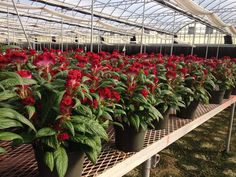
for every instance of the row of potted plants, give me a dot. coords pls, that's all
(63, 102)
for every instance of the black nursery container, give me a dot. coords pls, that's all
(216, 97)
(128, 139)
(189, 111)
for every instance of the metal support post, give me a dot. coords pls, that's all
(141, 48)
(173, 37)
(91, 36)
(146, 168)
(8, 32)
(62, 47)
(208, 41)
(230, 128)
(193, 38)
(218, 47)
(22, 26)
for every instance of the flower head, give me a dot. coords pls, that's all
(45, 59)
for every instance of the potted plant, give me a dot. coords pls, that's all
(169, 89)
(46, 108)
(222, 80)
(197, 80)
(137, 101)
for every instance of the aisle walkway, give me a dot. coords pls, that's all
(199, 153)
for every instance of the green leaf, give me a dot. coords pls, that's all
(69, 126)
(51, 142)
(49, 160)
(106, 115)
(9, 136)
(2, 150)
(10, 113)
(8, 123)
(85, 78)
(30, 110)
(92, 155)
(135, 121)
(45, 132)
(61, 161)
(5, 95)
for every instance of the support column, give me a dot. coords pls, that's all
(230, 128)
(62, 33)
(8, 31)
(173, 38)
(218, 47)
(91, 36)
(22, 26)
(146, 168)
(208, 41)
(193, 38)
(141, 48)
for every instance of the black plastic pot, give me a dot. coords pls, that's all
(75, 164)
(128, 139)
(227, 94)
(189, 111)
(233, 91)
(216, 97)
(162, 123)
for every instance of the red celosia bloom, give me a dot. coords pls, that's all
(171, 66)
(63, 136)
(144, 92)
(45, 59)
(32, 52)
(17, 56)
(67, 100)
(105, 92)
(95, 103)
(205, 71)
(81, 58)
(25, 74)
(3, 59)
(28, 101)
(116, 95)
(73, 79)
(74, 74)
(66, 104)
(156, 80)
(184, 71)
(62, 59)
(171, 74)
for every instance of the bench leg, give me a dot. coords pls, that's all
(230, 128)
(146, 168)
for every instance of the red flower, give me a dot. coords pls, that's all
(32, 52)
(144, 92)
(74, 74)
(67, 100)
(171, 65)
(184, 71)
(25, 74)
(116, 95)
(63, 136)
(45, 59)
(105, 92)
(205, 71)
(17, 56)
(171, 74)
(95, 103)
(28, 101)
(156, 80)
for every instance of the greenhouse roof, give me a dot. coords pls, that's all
(47, 17)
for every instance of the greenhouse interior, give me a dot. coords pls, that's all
(112, 88)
